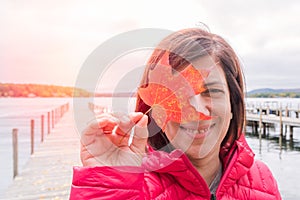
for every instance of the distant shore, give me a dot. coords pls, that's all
(274, 93)
(40, 90)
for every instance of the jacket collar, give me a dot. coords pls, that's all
(238, 162)
(179, 166)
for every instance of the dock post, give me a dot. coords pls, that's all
(280, 122)
(297, 112)
(291, 132)
(281, 128)
(286, 111)
(42, 128)
(279, 110)
(48, 122)
(15, 151)
(32, 135)
(260, 127)
(256, 127)
(285, 131)
(264, 129)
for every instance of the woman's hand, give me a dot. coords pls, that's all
(105, 140)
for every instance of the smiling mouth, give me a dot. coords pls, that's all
(199, 131)
(194, 131)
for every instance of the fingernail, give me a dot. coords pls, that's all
(143, 121)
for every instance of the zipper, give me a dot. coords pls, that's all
(213, 197)
(227, 170)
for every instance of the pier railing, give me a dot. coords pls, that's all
(53, 116)
(261, 117)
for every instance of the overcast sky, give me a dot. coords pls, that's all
(48, 41)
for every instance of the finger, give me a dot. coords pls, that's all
(126, 122)
(107, 120)
(103, 124)
(140, 138)
(103, 120)
(135, 116)
(106, 123)
(126, 127)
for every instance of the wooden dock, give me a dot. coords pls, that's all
(262, 117)
(48, 173)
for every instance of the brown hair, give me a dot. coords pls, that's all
(184, 46)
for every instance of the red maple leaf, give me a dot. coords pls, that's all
(168, 93)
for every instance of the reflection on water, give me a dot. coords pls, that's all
(279, 143)
(282, 155)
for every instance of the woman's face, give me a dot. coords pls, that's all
(201, 138)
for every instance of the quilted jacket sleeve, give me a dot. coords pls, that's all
(107, 183)
(267, 184)
(258, 183)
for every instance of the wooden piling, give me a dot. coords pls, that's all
(32, 136)
(291, 132)
(15, 152)
(280, 128)
(260, 125)
(256, 127)
(285, 131)
(42, 128)
(264, 129)
(48, 122)
(280, 122)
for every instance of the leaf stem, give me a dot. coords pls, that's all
(134, 125)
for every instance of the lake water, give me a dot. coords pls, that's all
(284, 161)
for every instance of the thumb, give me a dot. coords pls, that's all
(140, 138)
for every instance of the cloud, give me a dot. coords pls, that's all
(265, 35)
(272, 69)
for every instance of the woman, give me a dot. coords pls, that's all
(200, 153)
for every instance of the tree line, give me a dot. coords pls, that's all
(276, 95)
(39, 90)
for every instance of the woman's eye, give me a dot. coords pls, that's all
(213, 91)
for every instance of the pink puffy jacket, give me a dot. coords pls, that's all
(172, 176)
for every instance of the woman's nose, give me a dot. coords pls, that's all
(201, 104)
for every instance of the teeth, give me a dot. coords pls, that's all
(195, 131)
(203, 130)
